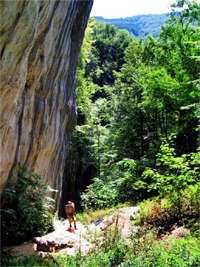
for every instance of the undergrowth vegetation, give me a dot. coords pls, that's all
(141, 251)
(178, 209)
(25, 211)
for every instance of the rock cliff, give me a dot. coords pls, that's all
(39, 48)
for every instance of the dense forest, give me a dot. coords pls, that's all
(138, 125)
(138, 106)
(137, 142)
(141, 25)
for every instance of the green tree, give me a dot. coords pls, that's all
(146, 91)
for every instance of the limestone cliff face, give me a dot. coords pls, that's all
(39, 47)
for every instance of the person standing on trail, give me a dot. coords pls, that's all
(71, 214)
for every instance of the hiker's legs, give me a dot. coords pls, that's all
(70, 219)
(74, 220)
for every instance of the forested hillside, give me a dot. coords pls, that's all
(138, 127)
(138, 104)
(141, 25)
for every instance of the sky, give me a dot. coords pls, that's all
(128, 8)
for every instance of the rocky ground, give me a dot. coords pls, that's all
(84, 239)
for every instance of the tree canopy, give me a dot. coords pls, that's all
(138, 97)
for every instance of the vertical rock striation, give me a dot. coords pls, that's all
(39, 48)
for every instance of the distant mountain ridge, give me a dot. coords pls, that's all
(140, 25)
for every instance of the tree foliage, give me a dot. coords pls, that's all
(144, 109)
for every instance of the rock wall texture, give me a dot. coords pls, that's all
(39, 48)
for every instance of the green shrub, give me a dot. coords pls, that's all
(120, 185)
(123, 181)
(183, 252)
(100, 194)
(155, 213)
(173, 173)
(128, 184)
(181, 208)
(25, 209)
(171, 253)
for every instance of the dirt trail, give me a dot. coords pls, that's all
(125, 216)
(81, 240)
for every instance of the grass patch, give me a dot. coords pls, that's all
(90, 216)
(170, 252)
